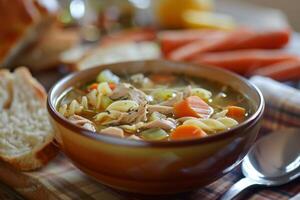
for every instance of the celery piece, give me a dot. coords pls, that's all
(154, 134)
(107, 76)
(105, 102)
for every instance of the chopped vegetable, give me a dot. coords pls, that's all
(112, 86)
(162, 94)
(93, 86)
(154, 134)
(184, 132)
(103, 88)
(105, 102)
(236, 112)
(193, 106)
(202, 93)
(107, 76)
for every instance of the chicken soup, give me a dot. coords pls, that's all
(154, 107)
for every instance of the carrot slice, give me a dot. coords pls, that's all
(112, 86)
(193, 106)
(236, 112)
(184, 132)
(93, 86)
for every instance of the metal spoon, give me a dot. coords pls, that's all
(273, 160)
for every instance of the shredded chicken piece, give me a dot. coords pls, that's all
(113, 131)
(177, 98)
(187, 91)
(133, 116)
(83, 122)
(160, 123)
(166, 110)
(127, 91)
(141, 80)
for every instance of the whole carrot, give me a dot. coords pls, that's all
(282, 71)
(171, 39)
(243, 61)
(239, 39)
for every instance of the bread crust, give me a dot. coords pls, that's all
(42, 154)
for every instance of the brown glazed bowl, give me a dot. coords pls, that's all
(159, 167)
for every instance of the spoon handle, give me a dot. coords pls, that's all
(237, 188)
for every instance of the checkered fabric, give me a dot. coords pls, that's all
(64, 181)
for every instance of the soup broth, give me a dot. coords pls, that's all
(154, 106)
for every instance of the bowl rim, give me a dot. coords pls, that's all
(143, 143)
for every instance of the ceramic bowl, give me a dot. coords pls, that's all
(156, 167)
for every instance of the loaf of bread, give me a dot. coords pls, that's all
(26, 136)
(45, 52)
(21, 22)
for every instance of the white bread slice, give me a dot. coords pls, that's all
(112, 53)
(25, 132)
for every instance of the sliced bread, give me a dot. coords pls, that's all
(121, 52)
(26, 135)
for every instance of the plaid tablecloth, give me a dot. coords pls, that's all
(61, 180)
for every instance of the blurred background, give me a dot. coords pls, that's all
(71, 35)
(291, 8)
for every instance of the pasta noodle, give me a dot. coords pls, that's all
(93, 98)
(73, 108)
(213, 125)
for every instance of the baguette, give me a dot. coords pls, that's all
(26, 135)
